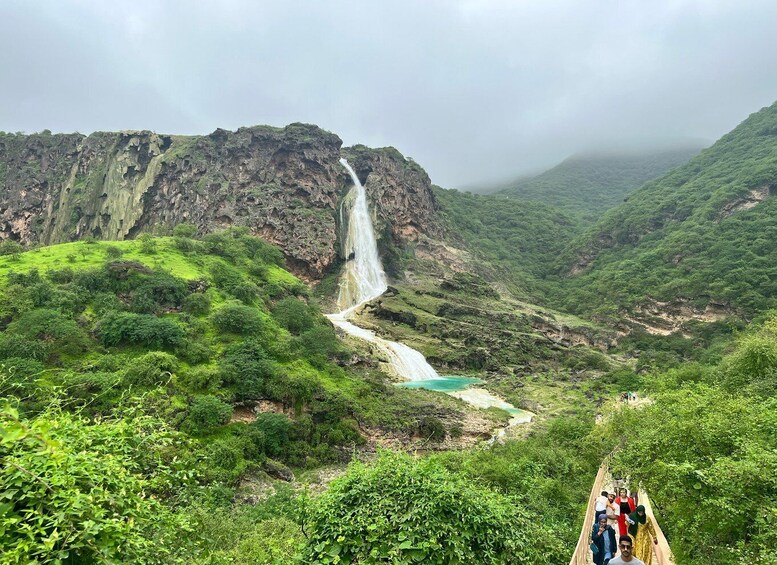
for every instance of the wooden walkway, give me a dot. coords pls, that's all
(662, 554)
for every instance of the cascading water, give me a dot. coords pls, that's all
(365, 280)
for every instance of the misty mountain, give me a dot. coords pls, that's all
(591, 183)
(703, 234)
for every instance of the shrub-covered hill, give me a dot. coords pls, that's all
(518, 237)
(172, 370)
(705, 235)
(590, 184)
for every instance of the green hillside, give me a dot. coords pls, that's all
(704, 233)
(518, 237)
(590, 184)
(145, 383)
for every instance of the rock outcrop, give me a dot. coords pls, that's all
(284, 184)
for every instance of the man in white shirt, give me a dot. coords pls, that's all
(625, 558)
(601, 504)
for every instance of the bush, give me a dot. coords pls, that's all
(117, 328)
(247, 368)
(206, 413)
(276, 430)
(58, 331)
(113, 253)
(79, 497)
(151, 369)
(401, 510)
(238, 319)
(196, 304)
(294, 315)
(198, 379)
(185, 230)
(431, 428)
(12, 345)
(10, 247)
(147, 244)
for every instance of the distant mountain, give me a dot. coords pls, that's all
(590, 184)
(698, 243)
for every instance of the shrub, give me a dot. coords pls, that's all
(12, 345)
(113, 253)
(185, 230)
(117, 328)
(276, 430)
(294, 315)
(247, 368)
(147, 244)
(238, 319)
(151, 369)
(60, 332)
(10, 247)
(79, 497)
(405, 511)
(206, 413)
(196, 304)
(431, 428)
(200, 378)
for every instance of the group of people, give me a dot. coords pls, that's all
(635, 530)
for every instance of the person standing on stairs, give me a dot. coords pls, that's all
(613, 510)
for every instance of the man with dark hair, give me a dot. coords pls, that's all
(601, 504)
(625, 544)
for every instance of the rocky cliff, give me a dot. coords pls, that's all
(284, 184)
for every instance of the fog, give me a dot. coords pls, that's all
(473, 90)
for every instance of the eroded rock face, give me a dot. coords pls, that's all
(284, 184)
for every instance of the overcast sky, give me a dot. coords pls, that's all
(473, 90)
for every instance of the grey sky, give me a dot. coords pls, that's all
(473, 90)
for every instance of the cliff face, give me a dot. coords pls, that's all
(284, 184)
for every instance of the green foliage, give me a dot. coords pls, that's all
(10, 247)
(515, 235)
(147, 244)
(206, 413)
(589, 185)
(293, 314)
(74, 492)
(692, 234)
(197, 304)
(117, 328)
(431, 428)
(151, 369)
(57, 330)
(401, 510)
(185, 230)
(247, 368)
(239, 319)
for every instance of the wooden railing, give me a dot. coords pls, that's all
(663, 553)
(582, 554)
(582, 550)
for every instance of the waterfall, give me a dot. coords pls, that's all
(364, 280)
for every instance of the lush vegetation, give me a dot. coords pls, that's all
(705, 450)
(589, 185)
(516, 236)
(146, 381)
(697, 233)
